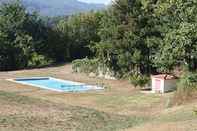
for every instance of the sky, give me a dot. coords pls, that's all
(97, 1)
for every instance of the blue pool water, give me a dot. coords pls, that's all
(57, 84)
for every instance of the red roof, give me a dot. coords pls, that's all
(165, 77)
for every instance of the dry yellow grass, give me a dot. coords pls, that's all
(120, 106)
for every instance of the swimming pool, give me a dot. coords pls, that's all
(56, 84)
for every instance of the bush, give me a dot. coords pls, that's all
(139, 80)
(186, 87)
(85, 65)
(38, 60)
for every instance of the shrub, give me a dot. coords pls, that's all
(85, 65)
(38, 60)
(186, 87)
(139, 80)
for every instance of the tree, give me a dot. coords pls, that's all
(126, 37)
(15, 42)
(81, 31)
(178, 27)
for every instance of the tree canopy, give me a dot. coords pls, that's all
(130, 37)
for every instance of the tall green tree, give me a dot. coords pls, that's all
(179, 30)
(81, 31)
(128, 37)
(15, 45)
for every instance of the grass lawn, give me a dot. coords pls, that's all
(119, 108)
(22, 113)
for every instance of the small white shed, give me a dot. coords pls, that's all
(163, 83)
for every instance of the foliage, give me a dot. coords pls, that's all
(80, 31)
(138, 80)
(178, 27)
(15, 42)
(126, 37)
(186, 87)
(22, 35)
(148, 36)
(55, 45)
(85, 65)
(38, 60)
(188, 82)
(142, 36)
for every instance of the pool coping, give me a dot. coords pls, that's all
(93, 87)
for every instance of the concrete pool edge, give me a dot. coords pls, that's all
(93, 87)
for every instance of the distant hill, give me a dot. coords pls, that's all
(59, 7)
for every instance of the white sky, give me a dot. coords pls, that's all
(97, 1)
